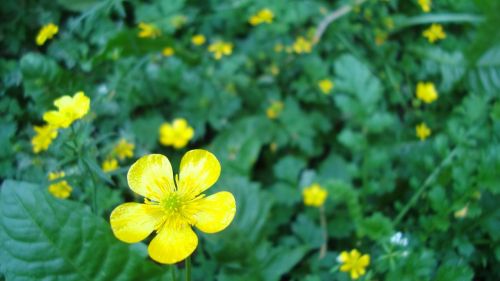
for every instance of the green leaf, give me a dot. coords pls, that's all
(44, 238)
(376, 227)
(288, 168)
(485, 76)
(454, 273)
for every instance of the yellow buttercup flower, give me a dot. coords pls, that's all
(354, 263)
(426, 92)
(263, 16)
(422, 131)
(434, 33)
(171, 207)
(124, 149)
(44, 136)
(314, 195)
(177, 134)
(325, 86)
(274, 110)
(301, 45)
(46, 32)
(69, 110)
(220, 49)
(109, 165)
(198, 39)
(147, 30)
(60, 189)
(168, 51)
(425, 5)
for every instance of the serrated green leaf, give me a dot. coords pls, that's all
(44, 238)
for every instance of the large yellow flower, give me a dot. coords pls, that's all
(171, 209)
(354, 263)
(46, 32)
(69, 110)
(43, 138)
(177, 134)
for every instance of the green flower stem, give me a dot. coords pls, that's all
(94, 189)
(188, 268)
(424, 185)
(172, 271)
(324, 246)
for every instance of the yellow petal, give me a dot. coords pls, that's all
(345, 267)
(173, 243)
(354, 274)
(355, 254)
(215, 212)
(364, 260)
(344, 256)
(132, 222)
(199, 170)
(151, 176)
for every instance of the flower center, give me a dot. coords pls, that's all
(172, 203)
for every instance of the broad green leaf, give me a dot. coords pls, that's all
(44, 238)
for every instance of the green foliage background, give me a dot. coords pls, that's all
(358, 142)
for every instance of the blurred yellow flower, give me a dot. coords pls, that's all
(123, 149)
(109, 165)
(178, 21)
(43, 138)
(325, 86)
(198, 39)
(274, 110)
(278, 47)
(425, 5)
(168, 51)
(426, 92)
(147, 30)
(60, 189)
(462, 213)
(434, 33)
(314, 195)
(274, 69)
(301, 45)
(220, 48)
(422, 131)
(354, 263)
(263, 16)
(173, 207)
(46, 32)
(177, 134)
(69, 110)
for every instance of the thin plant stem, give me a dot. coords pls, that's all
(172, 271)
(322, 219)
(188, 268)
(424, 185)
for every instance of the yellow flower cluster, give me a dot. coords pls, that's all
(314, 195)
(275, 109)
(220, 48)
(422, 131)
(177, 134)
(60, 189)
(302, 45)
(109, 165)
(173, 207)
(425, 5)
(434, 33)
(147, 30)
(354, 263)
(426, 92)
(47, 32)
(326, 86)
(263, 16)
(69, 109)
(198, 39)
